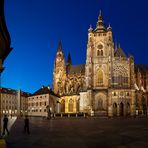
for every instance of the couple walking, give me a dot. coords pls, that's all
(5, 125)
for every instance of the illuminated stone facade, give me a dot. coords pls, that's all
(105, 85)
(141, 86)
(40, 102)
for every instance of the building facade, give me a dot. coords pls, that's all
(41, 102)
(104, 85)
(141, 86)
(14, 102)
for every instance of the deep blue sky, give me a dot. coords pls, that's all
(36, 26)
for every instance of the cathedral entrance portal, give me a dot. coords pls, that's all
(114, 109)
(127, 109)
(100, 104)
(121, 109)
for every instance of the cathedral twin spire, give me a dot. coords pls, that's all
(59, 50)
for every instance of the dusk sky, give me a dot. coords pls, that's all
(36, 26)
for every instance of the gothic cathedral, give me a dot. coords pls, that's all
(105, 85)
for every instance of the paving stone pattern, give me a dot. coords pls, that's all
(80, 133)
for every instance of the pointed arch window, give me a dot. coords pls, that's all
(63, 106)
(99, 52)
(100, 77)
(70, 105)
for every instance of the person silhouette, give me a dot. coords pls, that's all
(5, 124)
(26, 125)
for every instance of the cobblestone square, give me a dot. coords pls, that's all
(80, 133)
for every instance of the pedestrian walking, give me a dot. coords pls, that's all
(26, 126)
(49, 114)
(5, 124)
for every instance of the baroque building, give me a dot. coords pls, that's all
(40, 102)
(14, 102)
(104, 85)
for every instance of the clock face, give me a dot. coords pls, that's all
(100, 46)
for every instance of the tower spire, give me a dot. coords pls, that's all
(100, 27)
(60, 46)
(69, 61)
(59, 50)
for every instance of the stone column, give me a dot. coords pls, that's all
(74, 105)
(133, 106)
(118, 110)
(110, 106)
(110, 111)
(66, 105)
(91, 102)
(58, 110)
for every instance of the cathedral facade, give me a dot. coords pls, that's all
(104, 85)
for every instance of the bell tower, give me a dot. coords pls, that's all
(99, 55)
(59, 73)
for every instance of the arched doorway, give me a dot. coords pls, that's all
(121, 109)
(100, 104)
(127, 109)
(144, 105)
(114, 109)
(63, 106)
(70, 105)
(77, 106)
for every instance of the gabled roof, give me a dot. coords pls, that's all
(119, 53)
(77, 69)
(8, 91)
(44, 90)
(14, 92)
(25, 94)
